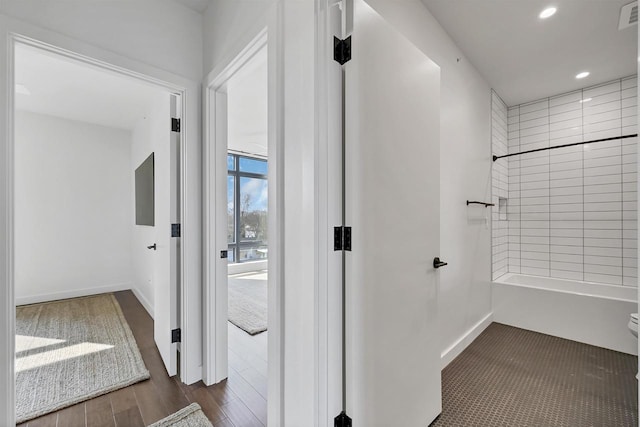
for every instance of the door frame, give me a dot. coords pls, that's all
(17, 32)
(215, 345)
(328, 328)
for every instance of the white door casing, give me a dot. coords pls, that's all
(393, 205)
(216, 364)
(215, 294)
(329, 214)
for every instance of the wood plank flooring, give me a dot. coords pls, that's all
(239, 401)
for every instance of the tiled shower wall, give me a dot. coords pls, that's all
(500, 187)
(571, 212)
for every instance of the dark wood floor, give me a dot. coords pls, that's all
(239, 401)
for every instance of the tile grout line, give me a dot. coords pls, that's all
(621, 194)
(582, 174)
(622, 238)
(549, 182)
(520, 187)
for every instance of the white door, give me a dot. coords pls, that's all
(166, 262)
(393, 204)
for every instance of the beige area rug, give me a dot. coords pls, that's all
(248, 302)
(191, 416)
(72, 350)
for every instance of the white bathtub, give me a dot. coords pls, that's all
(592, 313)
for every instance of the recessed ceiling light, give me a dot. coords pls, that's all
(22, 89)
(582, 75)
(550, 11)
(585, 100)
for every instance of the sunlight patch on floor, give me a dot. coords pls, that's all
(24, 342)
(58, 355)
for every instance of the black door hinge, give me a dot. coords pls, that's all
(342, 238)
(175, 125)
(176, 335)
(342, 50)
(342, 420)
(175, 230)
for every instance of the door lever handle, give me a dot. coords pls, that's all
(437, 263)
(152, 247)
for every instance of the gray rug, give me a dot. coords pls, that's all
(72, 350)
(248, 302)
(191, 416)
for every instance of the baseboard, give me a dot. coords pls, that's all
(34, 299)
(463, 342)
(144, 301)
(247, 267)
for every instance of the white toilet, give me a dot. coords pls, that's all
(633, 324)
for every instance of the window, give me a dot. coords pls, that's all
(247, 201)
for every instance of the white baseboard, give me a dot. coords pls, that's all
(144, 301)
(463, 342)
(34, 299)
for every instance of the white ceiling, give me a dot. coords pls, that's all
(525, 58)
(65, 88)
(247, 107)
(198, 5)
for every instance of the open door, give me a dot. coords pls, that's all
(392, 203)
(167, 256)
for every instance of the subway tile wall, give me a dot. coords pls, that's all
(571, 212)
(500, 187)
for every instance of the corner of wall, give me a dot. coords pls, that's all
(463, 342)
(144, 301)
(499, 188)
(75, 293)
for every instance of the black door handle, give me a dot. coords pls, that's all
(437, 263)
(152, 247)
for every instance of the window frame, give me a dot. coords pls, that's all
(237, 245)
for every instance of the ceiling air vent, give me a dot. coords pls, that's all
(628, 15)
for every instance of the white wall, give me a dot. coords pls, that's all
(465, 165)
(228, 24)
(7, 316)
(247, 107)
(162, 33)
(150, 135)
(73, 208)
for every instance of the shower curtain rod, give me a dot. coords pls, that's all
(565, 145)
